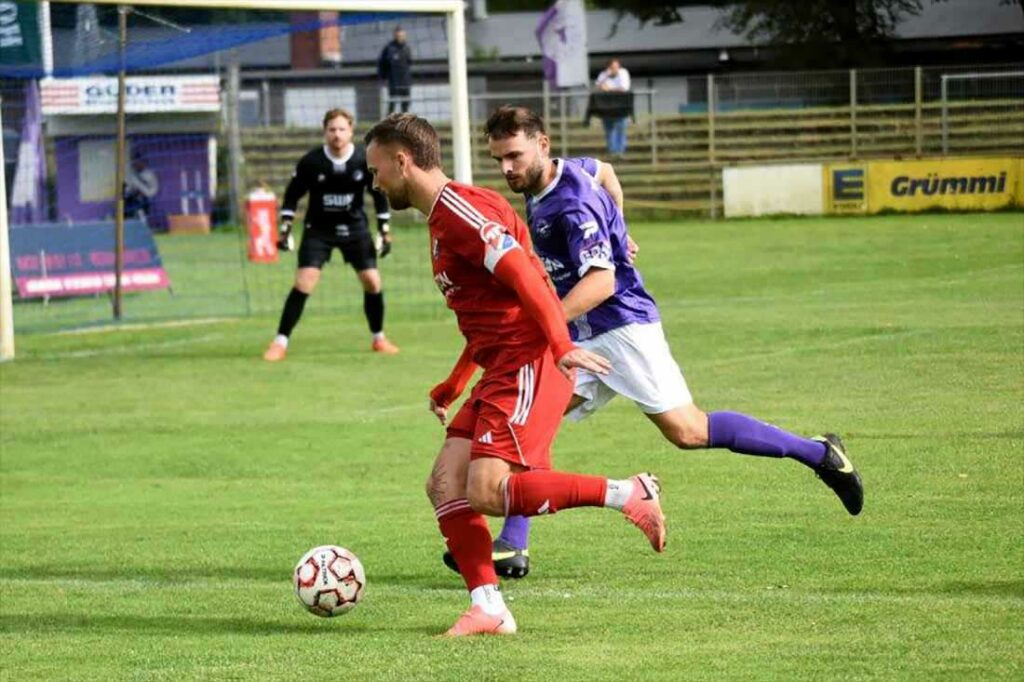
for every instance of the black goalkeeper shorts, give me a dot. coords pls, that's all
(358, 251)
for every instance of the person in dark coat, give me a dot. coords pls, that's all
(395, 67)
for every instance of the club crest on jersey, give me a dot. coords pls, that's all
(542, 228)
(491, 233)
(498, 242)
(497, 238)
(357, 175)
(321, 177)
(435, 250)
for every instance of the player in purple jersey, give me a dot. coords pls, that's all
(580, 235)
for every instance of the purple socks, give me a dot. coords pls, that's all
(516, 532)
(731, 430)
(748, 436)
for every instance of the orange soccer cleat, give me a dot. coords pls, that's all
(383, 345)
(275, 352)
(477, 622)
(643, 509)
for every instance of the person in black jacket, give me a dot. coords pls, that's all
(395, 67)
(335, 177)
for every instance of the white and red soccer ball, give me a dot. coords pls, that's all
(329, 581)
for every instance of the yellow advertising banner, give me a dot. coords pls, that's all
(844, 186)
(968, 184)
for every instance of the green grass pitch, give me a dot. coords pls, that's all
(157, 485)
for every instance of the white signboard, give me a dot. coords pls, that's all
(773, 190)
(143, 94)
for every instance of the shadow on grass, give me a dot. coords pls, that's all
(934, 436)
(996, 588)
(439, 578)
(69, 623)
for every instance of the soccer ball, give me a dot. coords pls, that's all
(329, 581)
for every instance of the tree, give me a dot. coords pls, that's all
(807, 32)
(816, 32)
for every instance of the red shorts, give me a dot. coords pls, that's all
(514, 415)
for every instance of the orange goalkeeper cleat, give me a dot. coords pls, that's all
(644, 509)
(275, 352)
(382, 345)
(477, 622)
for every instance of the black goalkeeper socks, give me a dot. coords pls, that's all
(293, 306)
(373, 306)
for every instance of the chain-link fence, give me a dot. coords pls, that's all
(185, 178)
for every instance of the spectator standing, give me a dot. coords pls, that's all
(395, 67)
(615, 78)
(140, 187)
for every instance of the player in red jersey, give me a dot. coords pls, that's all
(496, 458)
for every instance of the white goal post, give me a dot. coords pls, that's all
(453, 10)
(6, 290)
(945, 80)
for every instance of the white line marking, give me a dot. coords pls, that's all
(576, 592)
(133, 349)
(142, 326)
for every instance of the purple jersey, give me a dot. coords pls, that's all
(576, 226)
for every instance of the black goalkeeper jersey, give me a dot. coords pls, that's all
(336, 188)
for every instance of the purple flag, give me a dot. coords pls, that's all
(562, 34)
(28, 192)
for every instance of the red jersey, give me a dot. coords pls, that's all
(471, 229)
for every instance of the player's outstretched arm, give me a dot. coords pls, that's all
(292, 194)
(583, 359)
(448, 391)
(380, 205)
(596, 286)
(539, 301)
(607, 178)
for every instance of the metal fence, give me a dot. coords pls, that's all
(672, 165)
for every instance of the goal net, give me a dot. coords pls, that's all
(219, 102)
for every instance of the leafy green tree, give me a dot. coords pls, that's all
(807, 32)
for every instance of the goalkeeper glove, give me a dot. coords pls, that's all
(285, 240)
(383, 241)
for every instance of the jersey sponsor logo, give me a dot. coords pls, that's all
(337, 200)
(552, 265)
(445, 284)
(589, 228)
(583, 329)
(599, 251)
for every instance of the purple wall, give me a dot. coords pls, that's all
(165, 155)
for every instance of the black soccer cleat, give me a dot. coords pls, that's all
(838, 473)
(509, 562)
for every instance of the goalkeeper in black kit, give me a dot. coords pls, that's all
(336, 179)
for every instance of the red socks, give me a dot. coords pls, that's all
(527, 494)
(544, 492)
(469, 541)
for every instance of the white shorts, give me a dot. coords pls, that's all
(643, 370)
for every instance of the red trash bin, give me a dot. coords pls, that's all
(261, 216)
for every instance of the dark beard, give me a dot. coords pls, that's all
(534, 177)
